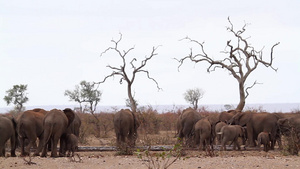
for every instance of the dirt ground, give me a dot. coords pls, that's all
(193, 159)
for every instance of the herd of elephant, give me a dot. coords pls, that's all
(47, 126)
(63, 126)
(253, 128)
(51, 127)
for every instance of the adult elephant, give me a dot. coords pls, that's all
(55, 126)
(203, 133)
(74, 127)
(126, 125)
(213, 119)
(289, 124)
(186, 124)
(256, 123)
(7, 131)
(30, 127)
(225, 116)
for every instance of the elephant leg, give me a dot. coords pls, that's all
(118, 140)
(250, 134)
(22, 142)
(62, 147)
(40, 147)
(13, 146)
(234, 145)
(237, 144)
(30, 144)
(130, 140)
(54, 147)
(2, 150)
(223, 146)
(265, 147)
(44, 151)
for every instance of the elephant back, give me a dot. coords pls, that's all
(75, 126)
(125, 120)
(70, 115)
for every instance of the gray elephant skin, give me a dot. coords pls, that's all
(225, 116)
(30, 127)
(186, 124)
(231, 133)
(74, 127)
(263, 138)
(203, 134)
(256, 123)
(7, 131)
(71, 144)
(218, 128)
(213, 118)
(55, 126)
(287, 124)
(126, 125)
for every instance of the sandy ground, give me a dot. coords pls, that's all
(196, 159)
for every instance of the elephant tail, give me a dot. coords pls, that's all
(47, 134)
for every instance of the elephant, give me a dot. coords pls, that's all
(7, 131)
(71, 144)
(126, 124)
(256, 123)
(231, 133)
(227, 115)
(218, 128)
(263, 138)
(213, 118)
(29, 128)
(55, 126)
(74, 128)
(203, 133)
(286, 125)
(187, 121)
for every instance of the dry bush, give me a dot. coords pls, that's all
(89, 125)
(168, 121)
(150, 121)
(291, 143)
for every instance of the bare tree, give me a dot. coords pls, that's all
(193, 96)
(240, 60)
(125, 73)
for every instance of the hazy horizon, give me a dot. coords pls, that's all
(269, 107)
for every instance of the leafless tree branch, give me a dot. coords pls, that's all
(123, 73)
(241, 59)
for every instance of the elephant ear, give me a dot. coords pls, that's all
(281, 122)
(244, 118)
(70, 115)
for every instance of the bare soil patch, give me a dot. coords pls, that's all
(196, 159)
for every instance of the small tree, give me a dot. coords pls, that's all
(193, 96)
(125, 74)
(17, 96)
(87, 93)
(241, 60)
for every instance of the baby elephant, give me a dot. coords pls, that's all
(264, 138)
(72, 144)
(231, 133)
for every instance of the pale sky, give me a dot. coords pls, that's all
(53, 45)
